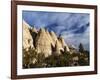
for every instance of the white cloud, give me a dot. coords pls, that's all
(75, 39)
(65, 24)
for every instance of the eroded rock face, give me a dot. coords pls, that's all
(34, 33)
(58, 47)
(53, 35)
(27, 38)
(50, 38)
(61, 40)
(43, 41)
(54, 38)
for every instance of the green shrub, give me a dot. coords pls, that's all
(65, 59)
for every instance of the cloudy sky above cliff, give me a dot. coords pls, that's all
(73, 27)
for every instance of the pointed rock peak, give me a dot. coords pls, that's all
(25, 24)
(34, 29)
(43, 42)
(42, 30)
(58, 44)
(58, 47)
(27, 37)
(46, 30)
(62, 39)
(52, 33)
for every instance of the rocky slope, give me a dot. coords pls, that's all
(43, 41)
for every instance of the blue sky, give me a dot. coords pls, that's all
(73, 27)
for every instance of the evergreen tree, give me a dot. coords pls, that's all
(81, 48)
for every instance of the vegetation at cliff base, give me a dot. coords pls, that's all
(32, 59)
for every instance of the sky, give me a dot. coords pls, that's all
(73, 27)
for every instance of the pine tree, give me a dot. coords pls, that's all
(81, 48)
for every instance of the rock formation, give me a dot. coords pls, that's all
(43, 41)
(34, 33)
(58, 47)
(54, 38)
(27, 38)
(61, 40)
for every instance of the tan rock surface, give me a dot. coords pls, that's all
(42, 40)
(63, 43)
(27, 38)
(58, 47)
(43, 43)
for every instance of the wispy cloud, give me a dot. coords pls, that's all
(75, 39)
(74, 27)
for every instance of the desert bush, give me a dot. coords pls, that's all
(65, 59)
(29, 56)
